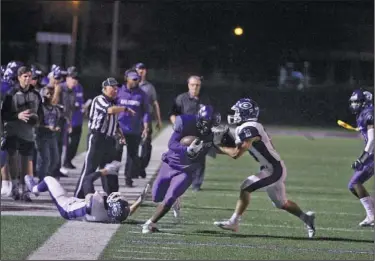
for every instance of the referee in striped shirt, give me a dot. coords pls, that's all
(103, 127)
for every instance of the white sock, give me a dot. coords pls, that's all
(148, 222)
(35, 189)
(4, 183)
(235, 218)
(368, 205)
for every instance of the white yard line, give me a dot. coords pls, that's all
(84, 240)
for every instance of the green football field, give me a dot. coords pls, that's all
(318, 173)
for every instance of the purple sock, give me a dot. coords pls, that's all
(42, 186)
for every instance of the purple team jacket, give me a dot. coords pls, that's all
(77, 117)
(137, 100)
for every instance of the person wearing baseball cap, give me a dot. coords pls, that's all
(77, 117)
(102, 141)
(135, 128)
(150, 91)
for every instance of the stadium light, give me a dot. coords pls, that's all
(238, 31)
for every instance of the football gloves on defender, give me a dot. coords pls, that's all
(359, 163)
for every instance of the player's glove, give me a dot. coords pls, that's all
(195, 147)
(219, 132)
(359, 163)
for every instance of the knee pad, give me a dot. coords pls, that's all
(245, 186)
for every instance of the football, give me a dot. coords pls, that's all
(187, 140)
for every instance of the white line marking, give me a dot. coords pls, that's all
(141, 252)
(76, 240)
(142, 258)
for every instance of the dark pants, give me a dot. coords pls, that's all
(133, 163)
(198, 176)
(100, 151)
(48, 156)
(74, 138)
(61, 141)
(110, 183)
(35, 158)
(146, 151)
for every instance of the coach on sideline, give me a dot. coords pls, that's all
(189, 103)
(102, 130)
(135, 128)
(150, 91)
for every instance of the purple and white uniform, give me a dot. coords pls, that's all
(273, 171)
(176, 172)
(90, 209)
(364, 119)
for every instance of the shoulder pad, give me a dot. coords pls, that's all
(248, 132)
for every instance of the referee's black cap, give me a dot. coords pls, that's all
(110, 82)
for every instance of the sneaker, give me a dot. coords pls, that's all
(16, 193)
(143, 174)
(30, 183)
(149, 228)
(26, 197)
(61, 174)
(367, 222)
(113, 168)
(6, 189)
(69, 165)
(227, 225)
(177, 208)
(310, 224)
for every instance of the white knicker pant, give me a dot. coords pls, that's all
(69, 207)
(276, 191)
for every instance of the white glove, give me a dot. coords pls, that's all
(195, 147)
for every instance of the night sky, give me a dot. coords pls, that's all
(270, 27)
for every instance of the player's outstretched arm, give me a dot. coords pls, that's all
(239, 150)
(139, 201)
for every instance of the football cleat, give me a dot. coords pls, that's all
(227, 225)
(310, 224)
(149, 228)
(367, 222)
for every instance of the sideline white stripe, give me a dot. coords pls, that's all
(62, 246)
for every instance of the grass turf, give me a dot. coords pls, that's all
(318, 173)
(22, 235)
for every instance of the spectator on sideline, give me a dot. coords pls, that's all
(189, 103)
(150, 91)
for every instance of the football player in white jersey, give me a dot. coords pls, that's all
(95, 207)
(251, 137)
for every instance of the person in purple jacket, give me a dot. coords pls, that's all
(180, 162)
(135, 128)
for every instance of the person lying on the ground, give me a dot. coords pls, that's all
(95, 207)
